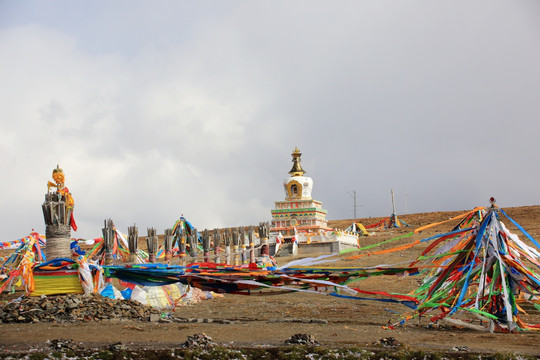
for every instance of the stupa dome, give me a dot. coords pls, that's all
(298, 187)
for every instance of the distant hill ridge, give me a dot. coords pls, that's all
(526, 216)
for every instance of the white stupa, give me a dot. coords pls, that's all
(298, 210)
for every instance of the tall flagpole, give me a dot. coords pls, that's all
(393, 204)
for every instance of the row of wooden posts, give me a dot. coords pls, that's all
(234, 246)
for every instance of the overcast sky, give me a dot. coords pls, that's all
(156, 109)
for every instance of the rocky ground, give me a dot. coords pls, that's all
(74, 308)
(268, 324)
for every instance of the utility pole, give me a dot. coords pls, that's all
(353, 194)
(406, 201)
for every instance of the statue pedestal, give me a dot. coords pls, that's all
(58, 241)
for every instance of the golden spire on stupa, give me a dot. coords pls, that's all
(297, 167)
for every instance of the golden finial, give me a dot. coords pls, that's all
(297, 167)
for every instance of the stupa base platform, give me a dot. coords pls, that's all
(311, 248)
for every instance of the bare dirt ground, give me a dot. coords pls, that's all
(270, 319)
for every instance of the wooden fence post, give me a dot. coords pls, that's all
(168, 245)
(227, 246)
(193, 242)
(181, 241)
(251, 245)
(264, 229)
(235, 236)
(152, 244)
(133, 243)
(206, 246)
(108, 241)
(217, 243)
(243, 252)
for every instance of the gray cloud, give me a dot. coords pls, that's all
(183, 108)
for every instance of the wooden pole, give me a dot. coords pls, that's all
(393, 204)
(206, 246)
(264, 230)
(251, 235)
(193, 240)
(393, 222)
(152, 244)
(181, 240)
(235, 237)
(242, 241)
(168, 245)
(133, 243)
(217, 243)
(108, 241)
(227, 246)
